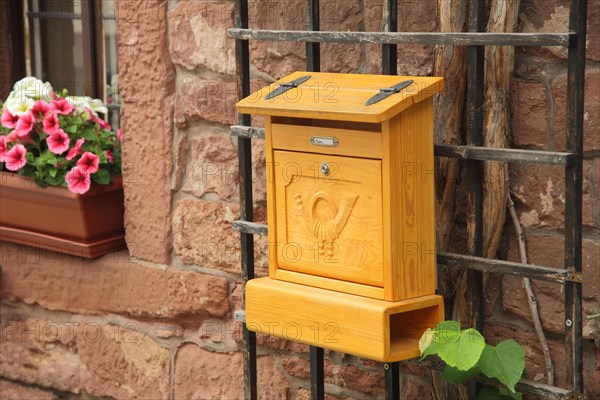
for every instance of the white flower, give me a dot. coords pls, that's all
(33, 88)
(97, 106)
(81, 103)
(18, 104)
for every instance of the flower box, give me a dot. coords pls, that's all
(85, 225)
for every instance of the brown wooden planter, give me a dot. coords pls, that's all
(88, 225)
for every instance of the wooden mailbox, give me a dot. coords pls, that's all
(350, 200)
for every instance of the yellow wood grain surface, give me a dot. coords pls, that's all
(379, 330)
(349, 142)
(408, 183)
(329, 225)
(340, 97)
(374, 292)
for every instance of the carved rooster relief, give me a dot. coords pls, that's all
(326, 216)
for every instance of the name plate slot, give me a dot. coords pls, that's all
(324, 141)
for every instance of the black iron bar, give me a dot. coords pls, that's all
(531, 271)
(242, 53)
(450, 38)
(525, 386)
(313, 63)
(453, 260)
(313, 49)
(474, 108)
(389, 52)
(459, 151)
(392, 381)
(317, 373)
(573, 194)
(508, 155)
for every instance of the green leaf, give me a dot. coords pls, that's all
(101, 177)
(57, 180)
(446, 331)
(29, 157)
(90, 134)
(449, 327)
(495, 393)
(52, 172)
(71, 129)
(426, 339)
(504, 362)
(514, 396)
(456, 376)
(462, 351)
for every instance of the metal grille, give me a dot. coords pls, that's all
(474, 155)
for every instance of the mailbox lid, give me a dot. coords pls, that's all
(340, 97)
(329, 226)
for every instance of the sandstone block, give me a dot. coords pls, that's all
(112, 284)
(13, 391)
(198, 36)
(202, 374)
(203, 235)
(147, 80)
(123, 366)
(33, 353)
(213, 166)
(530, 119)
(208, 99)
(591, 117)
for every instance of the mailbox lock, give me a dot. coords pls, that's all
(325, 169)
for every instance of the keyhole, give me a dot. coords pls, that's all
(325, 169)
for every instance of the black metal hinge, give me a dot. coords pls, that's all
(284, 87)
(386, 92)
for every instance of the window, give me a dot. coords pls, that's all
(72, 44)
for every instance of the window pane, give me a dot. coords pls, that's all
(109, 24)
(57, 44)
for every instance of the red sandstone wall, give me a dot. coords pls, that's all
(157, 324)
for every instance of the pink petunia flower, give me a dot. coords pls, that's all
(109, 156)
(89, 163)
(93, 117)
(40, 107)
(8, 120)
(11, 137)
(119, 134)
(75, 150)
(62, 106)
(51, 123)
(78, 181)
(15, 158)
(4, 148)
(58, 142)
(25, 124)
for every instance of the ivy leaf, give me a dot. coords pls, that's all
(495, 393)
(426, 340)
(101, 177)
(461, 351)
(504, 362)
(445, 331)
(456, 376)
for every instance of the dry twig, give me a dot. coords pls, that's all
(537, 322)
